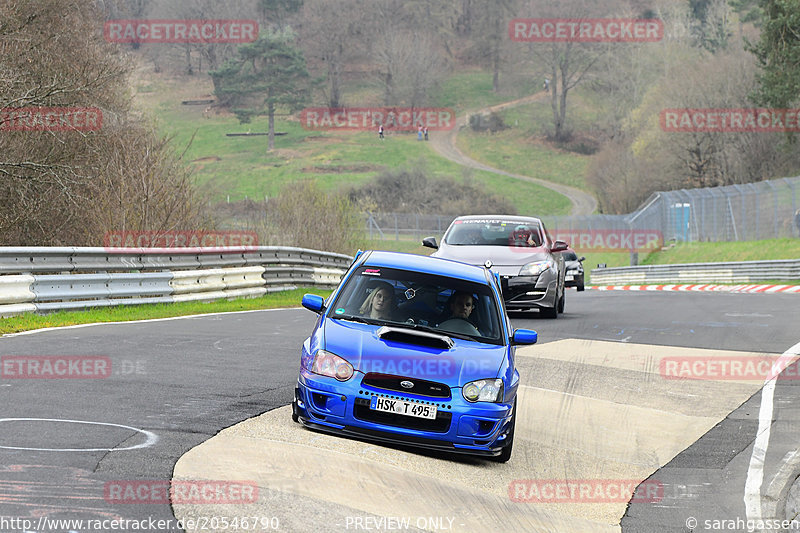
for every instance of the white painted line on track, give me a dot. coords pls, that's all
(755, 471)
(183, 317)
(152, 438)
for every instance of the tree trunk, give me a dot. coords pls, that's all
(188, 53)
(554, 102)
(498, 31)
(562, 115)
(496, 66)
(271, 137)
(388, 91)
(562, 112)
(334, 74)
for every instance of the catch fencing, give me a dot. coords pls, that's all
(741, 212)
(39, 279)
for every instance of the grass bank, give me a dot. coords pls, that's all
(145, 312)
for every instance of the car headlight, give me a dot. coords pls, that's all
(331, 365)
(535, 268)
(483, 390)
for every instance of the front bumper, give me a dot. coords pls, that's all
(343, 408)
(525, 292)
(573, 279)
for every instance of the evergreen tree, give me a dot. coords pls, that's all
(778, 53)
(267, 73)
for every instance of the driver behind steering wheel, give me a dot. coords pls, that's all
(461, 305)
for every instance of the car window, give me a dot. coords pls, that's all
(392, 296)
(570, 256)
(494, 233)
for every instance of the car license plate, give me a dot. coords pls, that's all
(569, 277)
(402, 407)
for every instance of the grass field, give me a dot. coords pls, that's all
(523, 148)
(144, 312)
(712, 252)
(470, 89)
(235, 168)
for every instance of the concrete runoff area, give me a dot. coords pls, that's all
(589, 411)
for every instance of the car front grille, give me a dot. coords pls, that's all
(441, 424)
(421, 387)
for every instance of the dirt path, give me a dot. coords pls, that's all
(445, 145)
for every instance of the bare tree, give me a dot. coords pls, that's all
(57, 187)
(567, 64)
(408, 61)
(197, 57)
(332, 35)
(489, 34)
(645, 158)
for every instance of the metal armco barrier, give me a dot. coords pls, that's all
(738, 272)
(38, 279)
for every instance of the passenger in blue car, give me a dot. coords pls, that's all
(380, 303)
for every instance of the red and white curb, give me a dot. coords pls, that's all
(701, 288)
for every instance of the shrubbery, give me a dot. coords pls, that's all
(412, 191)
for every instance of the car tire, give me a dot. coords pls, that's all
(561, 302)
(505, 454)
(580, 285)
(549, 312)
(295, 414)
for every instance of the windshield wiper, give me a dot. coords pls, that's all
(422, 327)
(355, 318)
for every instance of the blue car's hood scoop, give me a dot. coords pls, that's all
(411, 336)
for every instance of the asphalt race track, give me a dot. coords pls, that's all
(597, 408)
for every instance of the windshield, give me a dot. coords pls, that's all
(439, 304)
(494, 233)
(570, 256)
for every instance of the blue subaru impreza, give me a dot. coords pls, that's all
(413, 350)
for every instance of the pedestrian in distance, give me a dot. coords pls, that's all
(419, 133)
(425, 132)
(546, 84)
(380, 132)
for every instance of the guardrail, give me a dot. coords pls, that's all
(38, 279)
(735, 272)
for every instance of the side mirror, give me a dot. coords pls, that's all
(559, 246)
(581, 259)
(430, 242)
(524, 336)
(312, 302)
